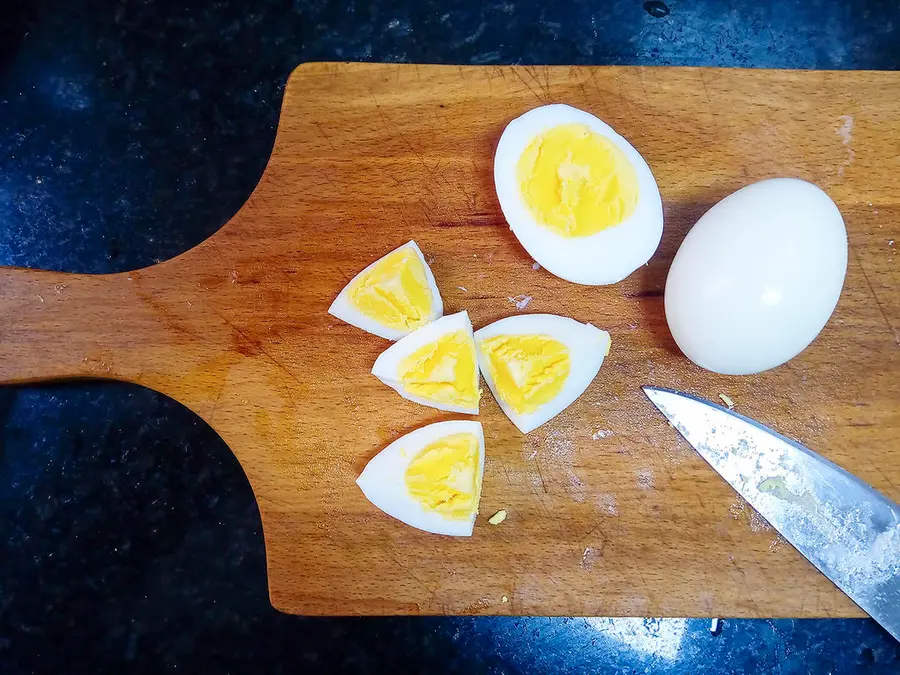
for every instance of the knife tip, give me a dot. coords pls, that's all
(653, 391)
(652, 394)
(660, 396)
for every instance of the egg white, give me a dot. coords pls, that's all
(383, 480)
(385, 368)
(587, 345)
(602, 258)
(343, 308)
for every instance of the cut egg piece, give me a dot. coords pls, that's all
(392, 297)
(579, 198)
(435, 366)
(430, 479)
(536, 365)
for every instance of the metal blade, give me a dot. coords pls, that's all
(844, 527)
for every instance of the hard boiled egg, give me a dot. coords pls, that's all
(577, 195)
(536, 365)
(430, 479)
(757, 277)
(435, 366)
(392, 297)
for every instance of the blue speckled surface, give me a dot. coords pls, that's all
(130, 131)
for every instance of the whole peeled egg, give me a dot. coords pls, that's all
(758, 276)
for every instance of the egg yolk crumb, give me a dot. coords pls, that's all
(498, 517)
(444, 371)
(395, 291)
(576, 182)
(444, 476)
(528, 370)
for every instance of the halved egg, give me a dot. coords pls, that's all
(430, 479)
(435, 366)
(536, 365)
(392, 297)
(577, 195)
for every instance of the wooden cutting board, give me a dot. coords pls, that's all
(610, 512)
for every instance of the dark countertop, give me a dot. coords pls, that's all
(130, 131)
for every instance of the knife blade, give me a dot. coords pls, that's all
(844, 527)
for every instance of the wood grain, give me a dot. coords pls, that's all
(634, 523)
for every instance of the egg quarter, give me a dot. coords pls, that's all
(392, 296)
(536, 365)
(435, 366)
(430, 478)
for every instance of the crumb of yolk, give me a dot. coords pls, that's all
(528, 370)
(498, 517)
(576, 182)
(444, 371)
(395, 291)
(444, 476)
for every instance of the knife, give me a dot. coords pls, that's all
(844, 527)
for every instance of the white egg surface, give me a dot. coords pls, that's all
(536, 365)
(392, 297)
(431, 478)
(435, 366)
(577, 195)
(758, 276)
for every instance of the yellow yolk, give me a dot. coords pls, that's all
(444, 476)
(528, 370)
(395, 291)
(576, 182)
(444, 371)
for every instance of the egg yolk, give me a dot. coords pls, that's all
(394, 292)
(576, 182)
(528, 370)
(444, 476)
(444, 371)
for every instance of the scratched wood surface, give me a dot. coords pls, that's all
(610, 512)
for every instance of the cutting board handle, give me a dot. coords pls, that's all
(57, 326)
